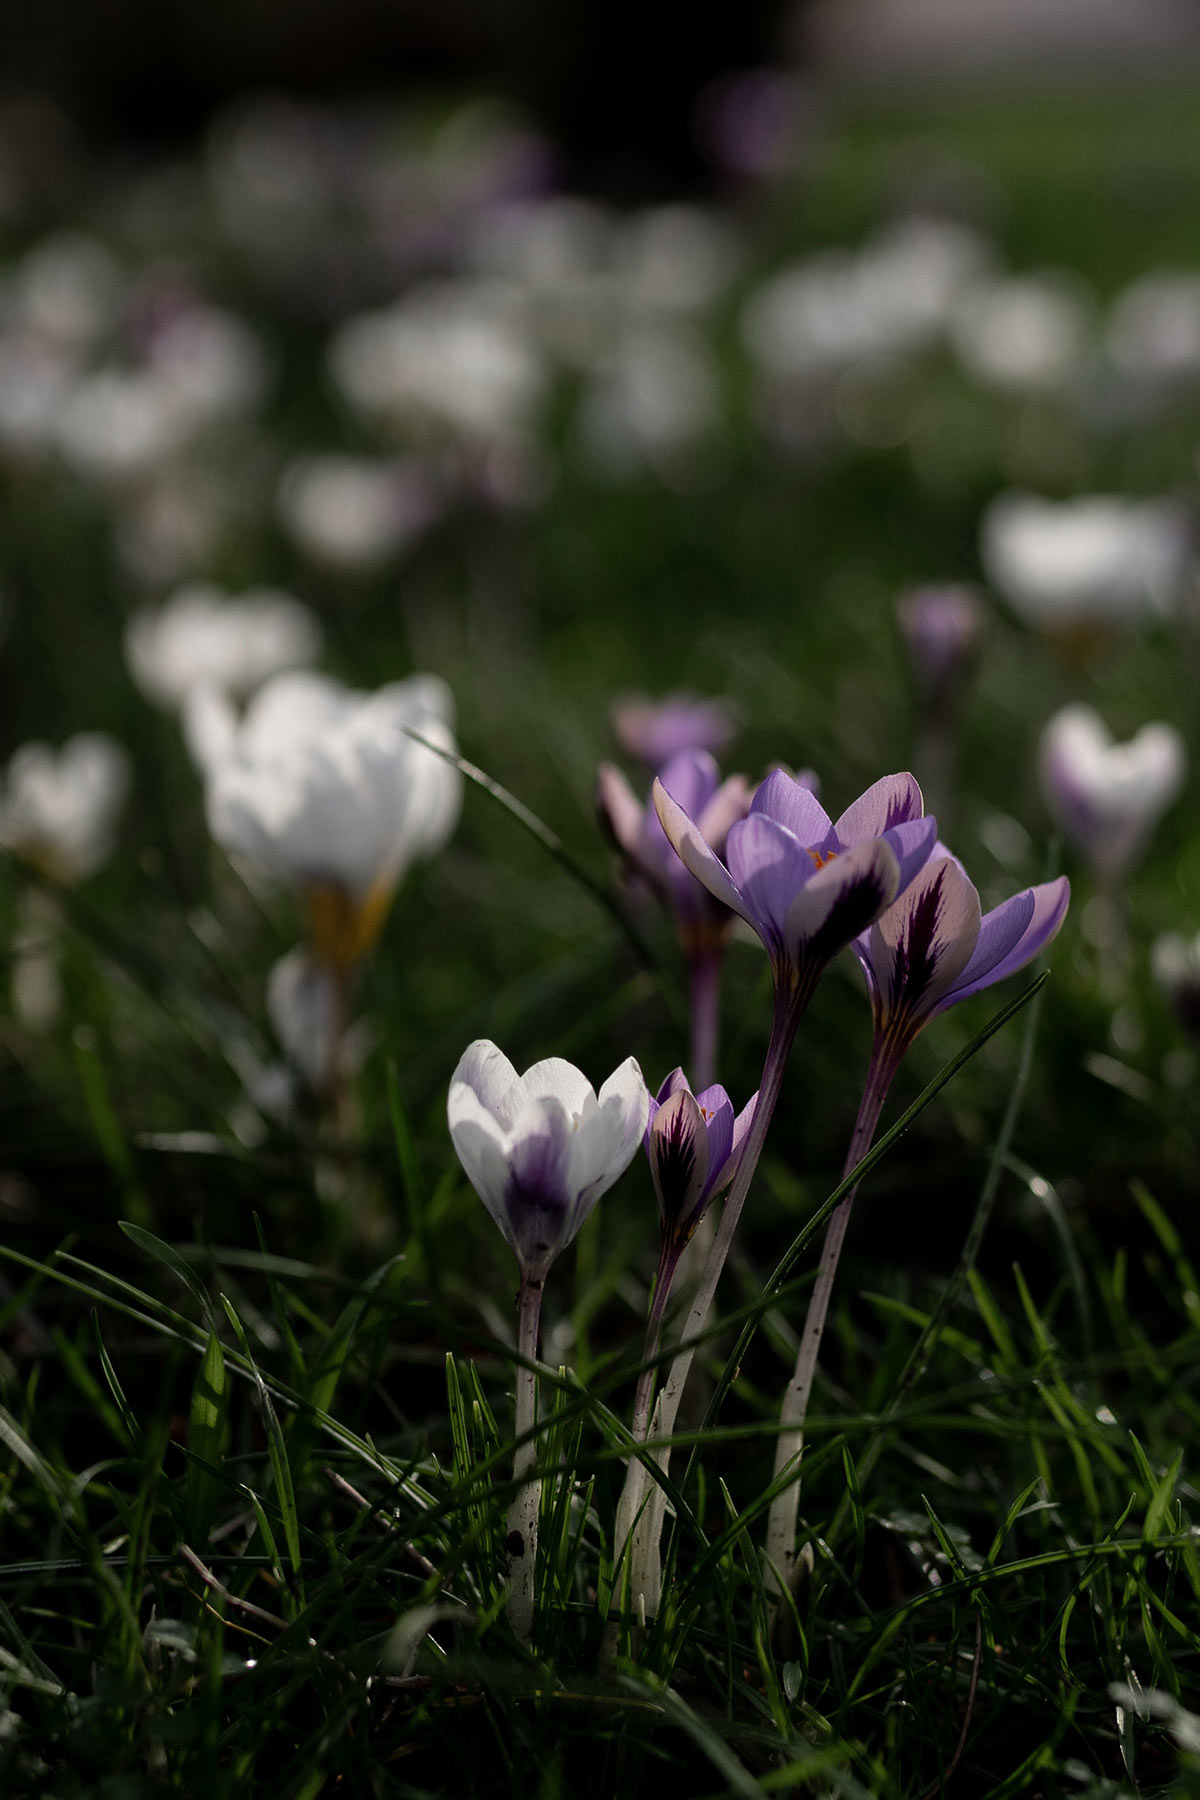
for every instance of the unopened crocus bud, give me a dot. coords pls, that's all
(1108, 797)
(693, 1143)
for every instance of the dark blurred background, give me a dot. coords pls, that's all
(613, 83)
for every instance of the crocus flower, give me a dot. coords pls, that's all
(929, 950)
(58, 808)
(325, 788)
(692, 779)
(934, 947)
(203, 636)
(1097, 559)
(941, 626)
(693, 1142)
(656, 730)
(806, 885)
(1108, 797)
(539, 1149)
(354, 513)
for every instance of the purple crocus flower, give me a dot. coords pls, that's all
(656, 730)
(942, 626)
(692, 779)
(934, 947)
(806, 885)
(930, 949)
(694, 1143)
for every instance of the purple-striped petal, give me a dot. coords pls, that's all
(919, 947)
(679, 1159)
(791, 803)
(894, 800)
(1011, 936)
(840, 901)
(694, 853)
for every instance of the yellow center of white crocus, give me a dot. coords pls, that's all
(341, 927)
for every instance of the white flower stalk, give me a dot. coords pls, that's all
(326, 789)
(1098, 559)
(59, 808)
(204, 637)
(539, 1149)
(1108, 797)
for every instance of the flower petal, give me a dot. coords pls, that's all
(791, 803)
(893, 800)
(479, 1143)
(1005, 944)
(841, 900)
(730, 803)
(741, 1125)
(620, 810)
(484, 1068)
(913, 845)
(770, 866)
(691, 778)
(679, 1159)
(919, 947)
(560, 1079)
(695, 854)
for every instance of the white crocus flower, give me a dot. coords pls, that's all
(353, 513)
(1095, 559)
(1023, 333)
(1108, 797)
(451, 360)
(540, 1148)
(58, 808)
(204, 637)
(325, 788)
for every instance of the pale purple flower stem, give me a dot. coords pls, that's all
(704, 970)
(781, 1520)
(645, 1564)
(523, 1509)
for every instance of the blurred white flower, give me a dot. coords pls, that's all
(65, 290)
(450, 360)
(204, 637)
(1154, 329)
(1098, 558)
(210, 365)
(306, 1007)
(891, 297)
(1108, 797)
(674, 259)
(36, 380)
(656, 400)
(1026, 332)
(324, 787)
(59, 808)
(352, 512)
(119, 425)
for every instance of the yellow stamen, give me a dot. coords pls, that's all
(821, 857)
